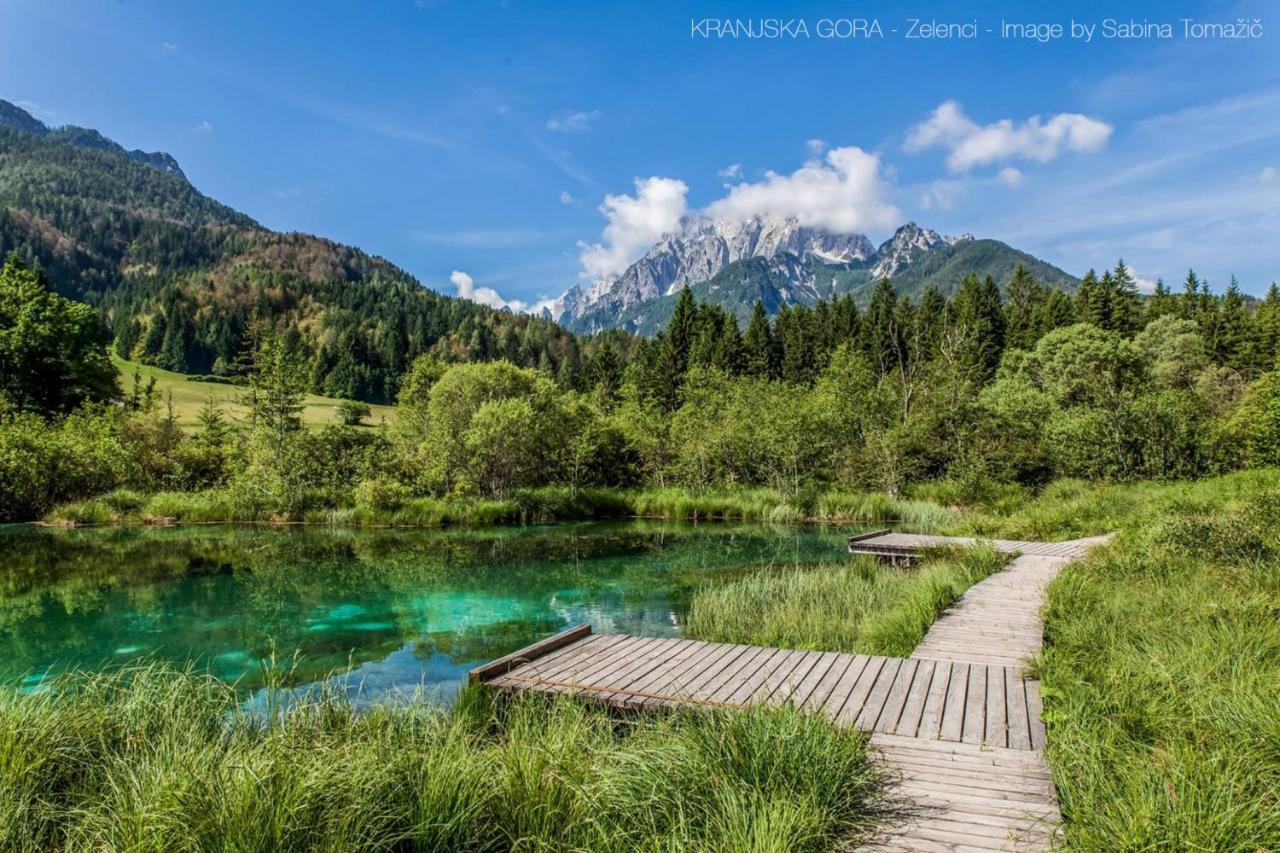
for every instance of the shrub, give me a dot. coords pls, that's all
(381, 493)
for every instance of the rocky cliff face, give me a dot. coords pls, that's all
(703, 247)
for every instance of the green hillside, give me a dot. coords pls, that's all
(180, 278)
(188, 394)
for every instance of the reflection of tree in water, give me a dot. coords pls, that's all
(230, 596)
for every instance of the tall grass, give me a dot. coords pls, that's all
(1161, 676)
(856, 606)
(742, 504)
(153, 759)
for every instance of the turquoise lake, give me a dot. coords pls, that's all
(383, 612)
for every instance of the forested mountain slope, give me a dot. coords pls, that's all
(180, 278)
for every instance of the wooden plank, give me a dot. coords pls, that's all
(628, 670)
(931, 717)
(897, 698)
(790, 671)
(873, 708)
(953, 711)
(582, 674)
(719, 688)
(975, 706)
(817, 700)
(844, 707)
(761, 682)
(913, 707)
(870, 535)
(591, 649)
(710, 668)
(661, 676)
(506, 663)
(997, 731)
(1019, 732)
(1035, 713)
(797, 694)
(575, 651)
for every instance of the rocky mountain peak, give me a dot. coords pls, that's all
(13, 116)
(906, 245)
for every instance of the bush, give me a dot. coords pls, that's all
(381, 493)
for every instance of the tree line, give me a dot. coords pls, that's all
(1021, 384)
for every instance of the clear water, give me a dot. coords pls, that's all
(380, 611)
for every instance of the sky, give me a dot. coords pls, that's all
(504, 151)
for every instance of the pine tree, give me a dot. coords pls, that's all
(978, 316)
(1189, 304)
(759, 350)
(1126, 306)
(1024, 297)
(606, 371)
(1161, 303)
(728, 354)
(1268, 320)
(877, 331)
(1234, 344)
(1091, 301)
(930, 319)
(681, 330)
(844, 320)
(1056, 312)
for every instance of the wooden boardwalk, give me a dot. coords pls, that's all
(957, 725)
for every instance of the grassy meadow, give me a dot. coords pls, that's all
(190, 394)
(1161, 681)
(857, 606)
(153, 759)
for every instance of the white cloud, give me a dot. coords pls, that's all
(941, 195)
(843, 193)
(467, 289)
(573, 121)
(1010, 176)
(169, 46)
(203, 127)
(970, 144)
(816, 147)
(565, 197)
(635, 223)
(1268, 175)
(731, 172)
(1145, 285)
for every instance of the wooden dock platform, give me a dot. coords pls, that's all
(937, 700)
(958, 724)
(909, 546)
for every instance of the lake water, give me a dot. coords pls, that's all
(382, 611)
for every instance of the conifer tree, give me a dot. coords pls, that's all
(876, 332)
(930, 318)
(1091, 301)
(1024, 297)
(1268, 321)
(1125, 309)
(758, 344)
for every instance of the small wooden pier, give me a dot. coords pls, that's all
(907, 548)
(958, 724)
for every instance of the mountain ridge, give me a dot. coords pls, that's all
(779, 261)
(183, 281)
(14, 116)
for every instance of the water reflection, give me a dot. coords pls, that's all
(386, 610)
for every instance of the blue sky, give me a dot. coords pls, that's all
(483, 138)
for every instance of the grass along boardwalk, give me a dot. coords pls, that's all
(958, 723)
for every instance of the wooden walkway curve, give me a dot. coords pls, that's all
(957, 724)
